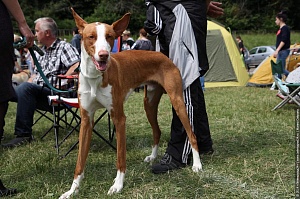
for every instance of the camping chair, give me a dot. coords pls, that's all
(69, 104)
(59, 115)
(290, 90)
(58, 100)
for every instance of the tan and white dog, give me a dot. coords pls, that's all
(106, 80)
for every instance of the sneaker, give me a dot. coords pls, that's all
(167, 163)
(5, 191)
(18, 141)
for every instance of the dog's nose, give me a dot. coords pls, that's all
(103, 54)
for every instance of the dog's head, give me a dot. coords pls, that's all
(98, 38)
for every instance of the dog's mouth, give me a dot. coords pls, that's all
(100, 65)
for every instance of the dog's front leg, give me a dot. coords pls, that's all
(118, 118)
(85, 135)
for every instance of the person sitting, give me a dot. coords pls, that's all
(60, 58)
(127, 41)
(293, 77)
(143, 43)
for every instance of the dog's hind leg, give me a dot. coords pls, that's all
(176, 96)
(86, 127)
(151, 101)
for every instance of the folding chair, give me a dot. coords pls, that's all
(72, 103)
(68, 104)
(290, 90)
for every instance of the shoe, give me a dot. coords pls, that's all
(5, 191)
(18, 141)
(167, 163)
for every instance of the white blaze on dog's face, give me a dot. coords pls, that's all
(98, 40)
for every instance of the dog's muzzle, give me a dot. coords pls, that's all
(100, 65)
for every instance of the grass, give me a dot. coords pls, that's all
(268, 39)
(254, 154)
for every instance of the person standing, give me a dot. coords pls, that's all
(33, 94)
(143, 43)
(181, 28)
(283, 41)
(242, 49)
(76, 40)
(7, 61)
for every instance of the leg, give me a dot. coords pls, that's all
(282, 55)
(195, 106)
(183, 127)
(3, 111)
(151, 101)
(119, 119)
(86, 127)
(30, 96)
(178, 147)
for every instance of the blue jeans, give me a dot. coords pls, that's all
(282, 55)
(202, 82)
(29, 97)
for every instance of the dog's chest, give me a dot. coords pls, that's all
(92, 93)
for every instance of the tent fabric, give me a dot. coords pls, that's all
(227, 67)
(262, 75)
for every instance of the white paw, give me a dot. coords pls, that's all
(197, 167)
(118, 185)
(68, 194)
(114, 189)
(149, 158)
(153, 155)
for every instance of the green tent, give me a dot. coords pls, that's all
(226, 64)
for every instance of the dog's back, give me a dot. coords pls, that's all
(147, 63)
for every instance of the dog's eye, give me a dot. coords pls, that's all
(91, 37)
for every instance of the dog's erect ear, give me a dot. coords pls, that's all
(80, 23)
(121, 25)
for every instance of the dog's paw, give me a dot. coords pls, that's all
(67, 195)
(149, 158)
(197, 167)
(114, 189)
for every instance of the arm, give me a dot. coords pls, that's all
(14, 8)
(278, 49)
(214, 9)
(72, 69)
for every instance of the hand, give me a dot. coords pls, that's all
(27, 33)
(275, 54)
(214, 9)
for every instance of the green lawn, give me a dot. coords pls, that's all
(254, 154)
(268, 39)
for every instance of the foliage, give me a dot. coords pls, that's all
(239, 14)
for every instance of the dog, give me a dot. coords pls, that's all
(106, 80)
(21, 77)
